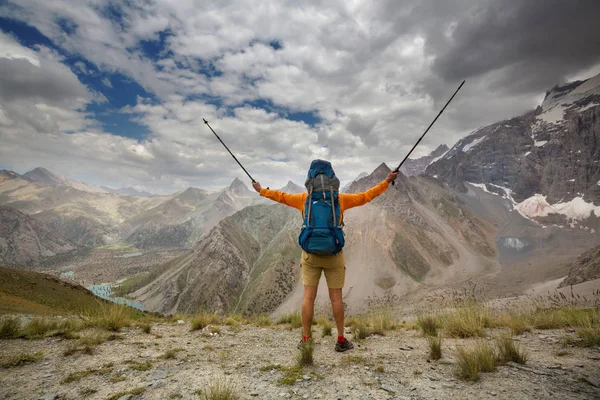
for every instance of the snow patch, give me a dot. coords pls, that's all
(439, 158)
(526, 154)
(473, 144)
(591, 105)
(514, 243)
(553, 115)
(535, 206)
(480, 186)
(540, 143)
(577, 209)
(538, 206)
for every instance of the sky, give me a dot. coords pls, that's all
(114, 92)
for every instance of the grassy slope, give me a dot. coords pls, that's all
(27, 292)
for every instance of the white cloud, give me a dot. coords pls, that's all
(364, 68)
(107, 82)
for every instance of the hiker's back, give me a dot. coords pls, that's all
(321, 232)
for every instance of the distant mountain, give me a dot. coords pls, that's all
(45, 177)
(25, 240)
(359, 177)
(84, 218)
(416, 166)
(128, 191)
(416, 232)
(182, 220)
(248, 263)
(585, 268)
(291, 187)
(545, 162)
(7, 175)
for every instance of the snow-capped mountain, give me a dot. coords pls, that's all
(415, 166)
(546, 162)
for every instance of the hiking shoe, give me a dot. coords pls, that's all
(302, 343)
(343, 346)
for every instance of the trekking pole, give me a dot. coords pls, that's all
(427, 130)
(236, 160)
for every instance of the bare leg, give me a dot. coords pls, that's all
(308, 308)
(337, 305)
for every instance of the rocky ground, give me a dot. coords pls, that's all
(394, 366)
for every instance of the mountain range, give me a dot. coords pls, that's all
(510, 205)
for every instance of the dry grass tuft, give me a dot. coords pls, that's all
(509, 351)
(326, 329)
(112, 317)
(435, 347)
(10, 328)
(305, 357)
(21, 359)
(466, 321)
(219, 389)
(133, 392)
(202, 320)
(429, 324)
(481, 358)
(171, 354)
(262, 321)
(294, 320)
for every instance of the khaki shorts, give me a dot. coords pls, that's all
(334, 268)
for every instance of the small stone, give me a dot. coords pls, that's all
(570, 330)
(159, 374)
(388, 388)
(493, 394)
(180, 321)
(557, 366)
(594, 357)
(282, 394)
(306, 377)
(126, 397)
(47, 376)
(580, 365)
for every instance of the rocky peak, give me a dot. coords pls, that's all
(291, 187)
(239, 188)
(44, 176)
(545, 161)
(7, 175)
(416, 166)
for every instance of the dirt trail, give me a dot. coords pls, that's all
(238, 355)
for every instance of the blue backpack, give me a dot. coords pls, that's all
(321, 232)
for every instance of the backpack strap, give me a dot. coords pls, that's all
(335, 223)
(309, 198)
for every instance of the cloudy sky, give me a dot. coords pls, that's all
(114, 92)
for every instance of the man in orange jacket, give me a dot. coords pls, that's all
(333, 266)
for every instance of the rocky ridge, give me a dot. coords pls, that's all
(416, 166)
(547, 161)
(585, 268)
(25, 240)
(249, 262)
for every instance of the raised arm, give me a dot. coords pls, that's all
(295, 200)
(349, 200)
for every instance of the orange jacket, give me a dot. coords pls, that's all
(347, 200)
